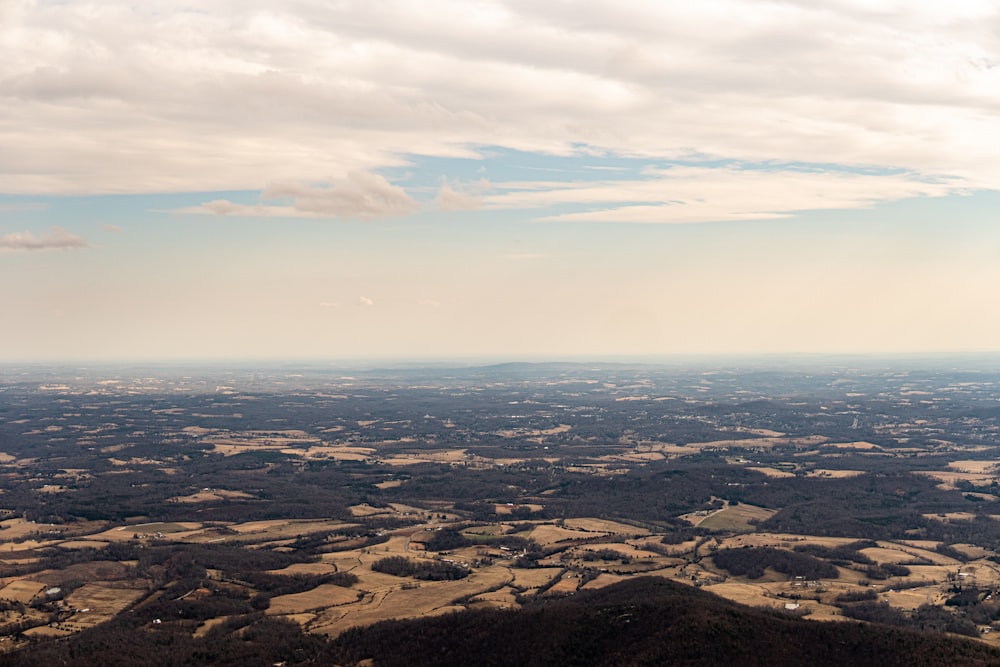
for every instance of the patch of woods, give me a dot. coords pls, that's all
(751, 562)
(679, 532)
(605, 555)
(446, 539)
(287, 584)
(426, 570)
(849, 555)
(449, 538)
(270, 585)
(809, 561)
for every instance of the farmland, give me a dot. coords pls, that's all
(161, 501)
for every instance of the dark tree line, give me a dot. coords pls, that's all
(401, 566)
(751, 562)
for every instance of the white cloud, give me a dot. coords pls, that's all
(365, 301)
(135, 97)
(361, 196)
(56, 238)
(329, 304)
(115, 229)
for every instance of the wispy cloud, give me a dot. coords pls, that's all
(114, 229)
(361, 196)
(458, 197)
(430, 303)
(228, 208)
(365, 301)
(56, 238)
(17, 207)
(707, 194)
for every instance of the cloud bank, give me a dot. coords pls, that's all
(119, 96)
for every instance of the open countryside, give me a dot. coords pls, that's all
(334, 503)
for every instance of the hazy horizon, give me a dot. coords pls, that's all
(957, 362)
(497, 180)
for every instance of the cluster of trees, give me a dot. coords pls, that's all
(606, 555)
(287, 584)
(882, 571)
(271, 585)
(865, 595)
(426, 570)
(678, 534)
(926, 618)
(849, 555)
(446, 539)
(751, 562)
(840, 554)
(977, 604)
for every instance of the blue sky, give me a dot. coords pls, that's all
(497, 180)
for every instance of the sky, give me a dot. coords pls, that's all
(238, 179)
